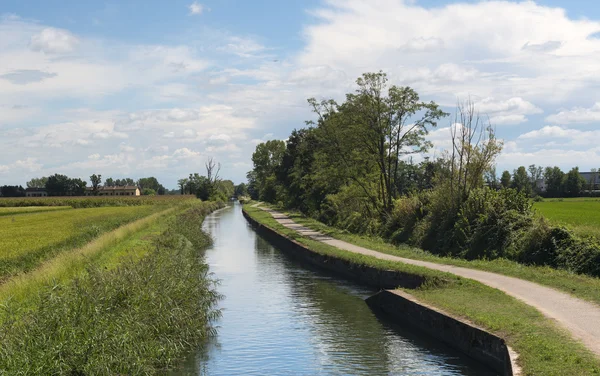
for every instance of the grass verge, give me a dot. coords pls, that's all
(138, 317)
(543, 347)
(582, 286)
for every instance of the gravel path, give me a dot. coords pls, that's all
(579, 317)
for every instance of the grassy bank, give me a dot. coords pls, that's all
(582, 286)
(544, 348)
(105, 310)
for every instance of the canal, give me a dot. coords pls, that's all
(283, 318)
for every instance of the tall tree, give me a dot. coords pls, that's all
(182, 183)
(96, 181)
(573, 183)
(37, 182)
(109, 182)
(520, 180)
(536, 174)
(58, 185)
(505, 179)
(374, 128)
(553, 177)
(266, 159)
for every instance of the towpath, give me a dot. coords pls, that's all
(579, 317)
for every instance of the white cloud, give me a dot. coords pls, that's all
(54, 41)
(196, 8)
(509, 111)
(576, 115)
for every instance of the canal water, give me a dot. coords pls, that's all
(282, 318)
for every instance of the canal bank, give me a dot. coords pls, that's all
(479, 344)
(544, 348)
(281, 317)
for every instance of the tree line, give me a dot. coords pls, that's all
(62, 185)
(548, 182)
(359, 165)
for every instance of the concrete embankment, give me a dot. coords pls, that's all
(401, 307)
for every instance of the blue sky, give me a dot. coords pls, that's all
(138, 88)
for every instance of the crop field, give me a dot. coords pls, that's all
(581, 215)
(5, 211)
(93, 201)
(29, 237)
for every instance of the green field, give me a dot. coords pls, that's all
(29, 237)
(5, 211)
(582, 215)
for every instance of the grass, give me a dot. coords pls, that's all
(580, 215)
(139, 316)
(544, 348)
(28, 240)
(8, 211)
(582, 286)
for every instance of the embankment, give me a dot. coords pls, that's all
(463, 336)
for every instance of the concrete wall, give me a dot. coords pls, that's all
(378, 278)
(465, 337)
(483, 346)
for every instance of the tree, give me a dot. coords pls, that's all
(520, 181)
(109, 182)
(148, 192)
(12, 191)
(96, 181)
(491, 179)
(474, 149)
(266, 159)
(373, 129)
(241, 190)
(553, 177)
(505, 179)
(151, 183)
(37, 182)
(76, 187)
(573, 183)
(58, 185)
(535, 174)
(182, 183)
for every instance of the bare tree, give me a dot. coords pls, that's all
(474, 148)
(212, 171)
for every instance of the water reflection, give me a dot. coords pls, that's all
(282, 318)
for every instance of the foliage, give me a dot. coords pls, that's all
(12, 191)
(520, 181)
(505, 180)
(96, 181)
(138, 318)
(37, 182)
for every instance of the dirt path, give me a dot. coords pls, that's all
(580, 318)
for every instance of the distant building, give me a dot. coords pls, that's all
(114, 191)
(592, 180)
(36, 192)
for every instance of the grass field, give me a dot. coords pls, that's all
(29, 239)
(582, 215)
(544, 349)
(6, 211)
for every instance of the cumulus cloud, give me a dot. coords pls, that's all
(576, 115)
(54, 41)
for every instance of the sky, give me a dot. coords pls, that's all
(154, 88)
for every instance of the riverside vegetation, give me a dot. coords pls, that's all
(351, 169)
(543, 348)
(131, 297)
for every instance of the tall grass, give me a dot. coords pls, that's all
(138, 318)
